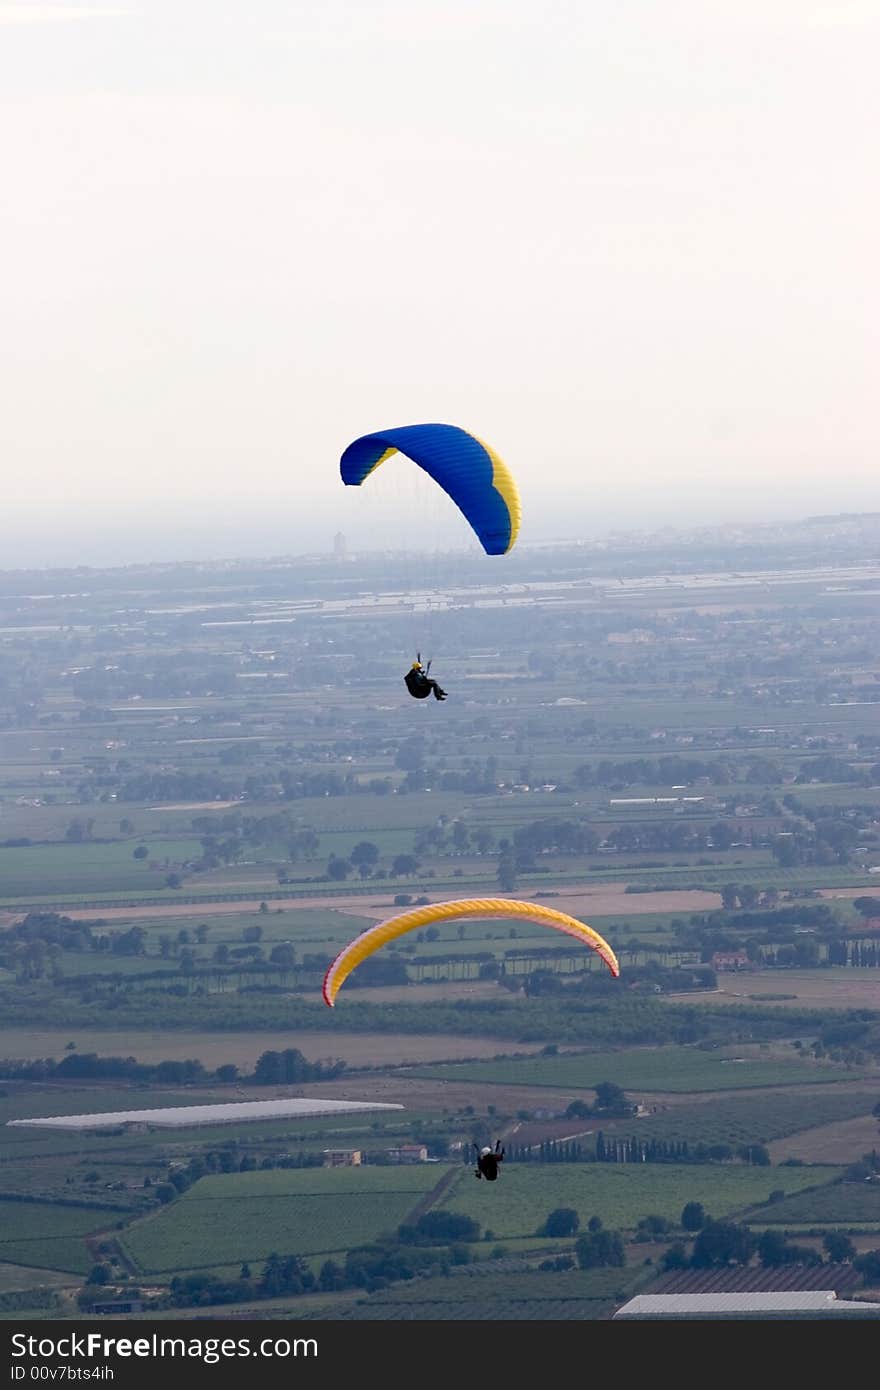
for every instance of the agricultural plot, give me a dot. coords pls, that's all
(315, 930)
(703, 878)
(831, 987)
(708, 714)
(46, 1161)
(59, 1177)
(621, 1194)
(830, 795)
(34, 1103)
(215, 1049)
(52, 1173)
(749, 1119)
(341, 816)
(102, 963)
(268, 1137)
(108, 1168)
(247, 1216)
(49, 1236)
(840, 1204)
(31, 1305)
(17, 1278)
(490, 1294)
(842, 1142)
(481, 1253)
(240, 889)
(56, 1165)
(86, 867)
(304, 927)
(674, 1069)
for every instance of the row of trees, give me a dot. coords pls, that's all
(722, 1243)
(272, 1068)
(635, 1150)
(753, 771)
(612, 1018)
(280, 781)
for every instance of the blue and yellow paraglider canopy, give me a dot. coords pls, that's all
(478, 481)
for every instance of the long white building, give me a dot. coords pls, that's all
(185, 1116)
(803, 1303)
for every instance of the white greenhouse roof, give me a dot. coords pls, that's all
(182, 1116)
(803, 1303)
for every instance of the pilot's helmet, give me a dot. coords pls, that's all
(417, 666)
(485, 1151)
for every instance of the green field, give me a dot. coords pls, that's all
(621, 1194)
(310, 930)
(14, 1278)
(49, 1236)
(844, 1203)
(245, 883)
(247, 1216)
(749, 1119)
(86, 867)
(658, 1069)
(484, 1293)
(31, 1304)
(32, 1104)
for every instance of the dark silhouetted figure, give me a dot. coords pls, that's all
(488, 1160)
(418, 683)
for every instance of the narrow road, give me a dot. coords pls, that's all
(430, 1198)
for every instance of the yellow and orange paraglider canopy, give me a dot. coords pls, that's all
(375, 937)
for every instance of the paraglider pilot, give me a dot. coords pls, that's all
(488, 1160)
(418, 683)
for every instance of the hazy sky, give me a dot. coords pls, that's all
(632, 243)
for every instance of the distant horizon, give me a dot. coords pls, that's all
(631, 247)
(401, 501)
(446, 544)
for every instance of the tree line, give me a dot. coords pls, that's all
(271, 1068)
